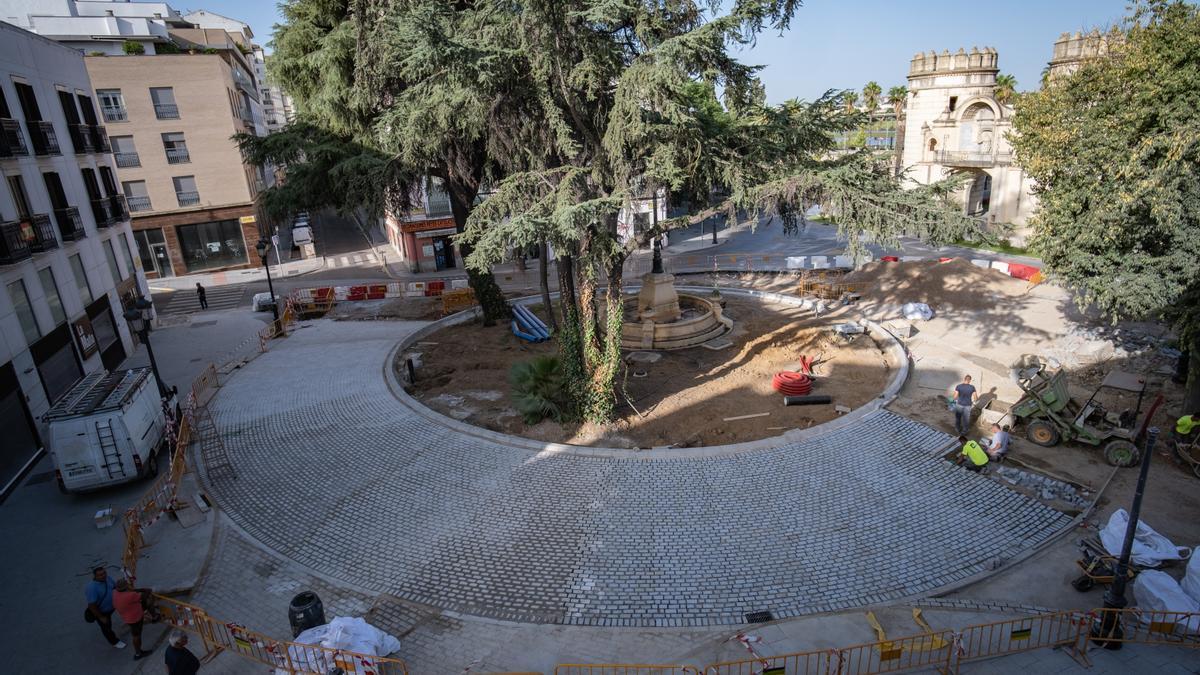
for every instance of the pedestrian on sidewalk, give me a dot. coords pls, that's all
(129, 603)
(179, 659)
(203, 295)
(964, 396)
(99, 596)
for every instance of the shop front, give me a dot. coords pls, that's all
(206, 240)
(426, 245)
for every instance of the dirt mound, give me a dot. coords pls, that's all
(956, 284)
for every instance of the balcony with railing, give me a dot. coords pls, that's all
(45, 141)
(100, 212)
(99, 138)
(81, 138)
(178, 156)
(70, 226)
(117, 209)
(40, 233)
(13, 246)
(12, 141)
(166, 111)
(188, 198)
(126, 160)
(974, 159)
(115, 115)
(138, 203)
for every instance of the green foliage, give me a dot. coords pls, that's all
(871, 93)
(133, 47)
(539, 389)
(166, 48)
(1115, 151)
(1006, 88)
(850, 100)
(858, 139)
(95, 53)
(898, 97)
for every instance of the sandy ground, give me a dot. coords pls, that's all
(682, 399)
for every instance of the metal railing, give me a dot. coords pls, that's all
(166, 111)
(81, 138)
(1149, 627)
(1062, 629)
(282, 655)
(100, 212)
(41, 233)
(178, 156)
(969, 158)
(114, 115)
(12, 141)
(99, 138)
(13, 246)
(70, 225)
(44, 140)
(117, 209)
(188, 198)
(138, 203)
(126, 160)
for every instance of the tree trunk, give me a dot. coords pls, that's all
(487, 291)
(544, 279)
(1191, 396)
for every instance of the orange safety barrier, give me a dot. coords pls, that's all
(622, 669)
(1149, 627)
(457, 300)
(284, 655)
(931, 650)
(155, 501)
(803, 663)
(1061, 629)
(204, 385)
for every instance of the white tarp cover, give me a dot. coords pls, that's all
(916, 311)
(1150, 549)
(346, 633)
(1191, 580)
(1157, 591)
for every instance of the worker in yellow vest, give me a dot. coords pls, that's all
(972, 455)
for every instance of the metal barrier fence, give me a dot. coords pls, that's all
(1151, 627)
(1061, 629)
(803, 663)
(155, 501)
(931, 650)
(290, 657)
(622, 669)
(204, 386)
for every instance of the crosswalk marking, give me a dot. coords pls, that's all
(352, 260)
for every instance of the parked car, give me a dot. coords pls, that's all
(107, 430)
(301, 230)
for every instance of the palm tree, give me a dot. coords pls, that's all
(1006, 88)
(897, 97)
(871, 94)
(850, 98)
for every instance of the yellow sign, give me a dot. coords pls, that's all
(247, 220)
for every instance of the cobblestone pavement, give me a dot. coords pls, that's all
(339, 476)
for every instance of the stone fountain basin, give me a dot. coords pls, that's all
(702, 320)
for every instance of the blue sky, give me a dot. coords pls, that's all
(843, 44)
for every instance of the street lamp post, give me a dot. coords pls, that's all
(1110, 625)
(263, 247)
(138, 317)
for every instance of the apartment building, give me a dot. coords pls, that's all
(173, 97)
(67, 266)
(421, 235)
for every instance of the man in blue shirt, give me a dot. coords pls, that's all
(99, 596)
(964, 396)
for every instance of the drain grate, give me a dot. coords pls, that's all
(42, 477)
(759, 617)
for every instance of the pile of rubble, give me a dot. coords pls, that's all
(1044, 488)
(1085, 346)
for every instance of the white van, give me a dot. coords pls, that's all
(107, 430)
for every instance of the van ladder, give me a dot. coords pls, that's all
(108, 447)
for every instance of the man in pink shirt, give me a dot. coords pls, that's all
(127, 600)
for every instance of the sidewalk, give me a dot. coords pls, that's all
(286, 270)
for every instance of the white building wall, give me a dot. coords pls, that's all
(46, 66)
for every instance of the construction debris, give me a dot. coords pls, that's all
(745, 417)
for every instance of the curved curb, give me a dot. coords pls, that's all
(895, 349)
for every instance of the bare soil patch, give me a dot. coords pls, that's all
(682, 399)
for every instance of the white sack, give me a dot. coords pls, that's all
(917, 311)
(1156, 591)
(1150, 549)
(1191, 580)
(352, 634)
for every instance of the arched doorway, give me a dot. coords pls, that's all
(979, 194)
(976, 129)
